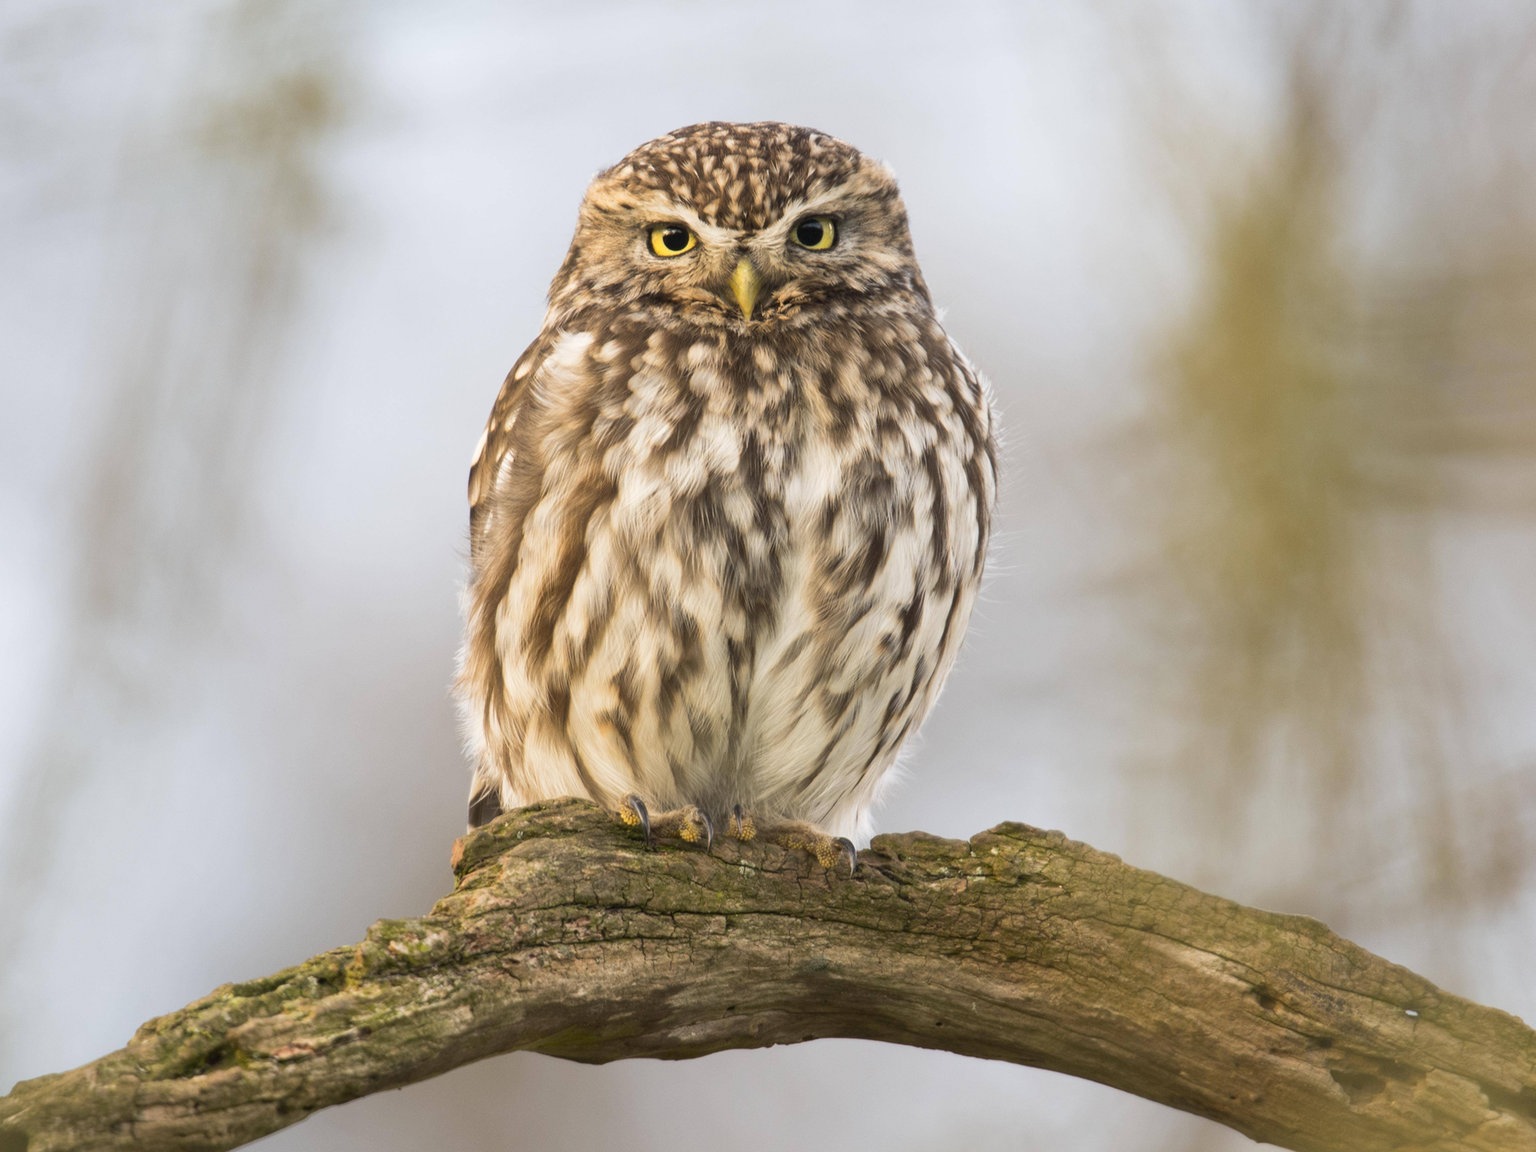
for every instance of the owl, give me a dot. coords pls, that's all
(729, 514)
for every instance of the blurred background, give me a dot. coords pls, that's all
(1256, 286)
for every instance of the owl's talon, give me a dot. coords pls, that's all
(689, 824)
(846, 851)
(741, 825)
(633, 814)
(692, 825)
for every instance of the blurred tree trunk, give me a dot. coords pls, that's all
(563, 937)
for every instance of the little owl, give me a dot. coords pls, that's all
(728, 516)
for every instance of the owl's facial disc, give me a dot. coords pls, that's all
(666, 230)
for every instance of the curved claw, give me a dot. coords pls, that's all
(635, 806)
(847, 850)
(741, 825)
(709, 830)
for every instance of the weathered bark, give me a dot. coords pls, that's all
(563, 936)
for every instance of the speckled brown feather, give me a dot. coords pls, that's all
(719, 559)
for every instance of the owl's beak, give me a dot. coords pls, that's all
(746, 286)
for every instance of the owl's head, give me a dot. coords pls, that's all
(739, 225)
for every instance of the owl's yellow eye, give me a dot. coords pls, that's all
(818, 233)
(671, 239)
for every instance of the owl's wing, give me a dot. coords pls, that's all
(494, 452)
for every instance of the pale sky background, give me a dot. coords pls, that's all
(267, 264)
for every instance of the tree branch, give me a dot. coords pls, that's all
(563, 936)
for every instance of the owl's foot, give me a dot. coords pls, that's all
(830, 851)
(688, 823)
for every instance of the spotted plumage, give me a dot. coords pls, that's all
(729, 514)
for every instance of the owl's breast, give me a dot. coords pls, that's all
(771, 591)
(808, 506)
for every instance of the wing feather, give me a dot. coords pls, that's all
(493, 455)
